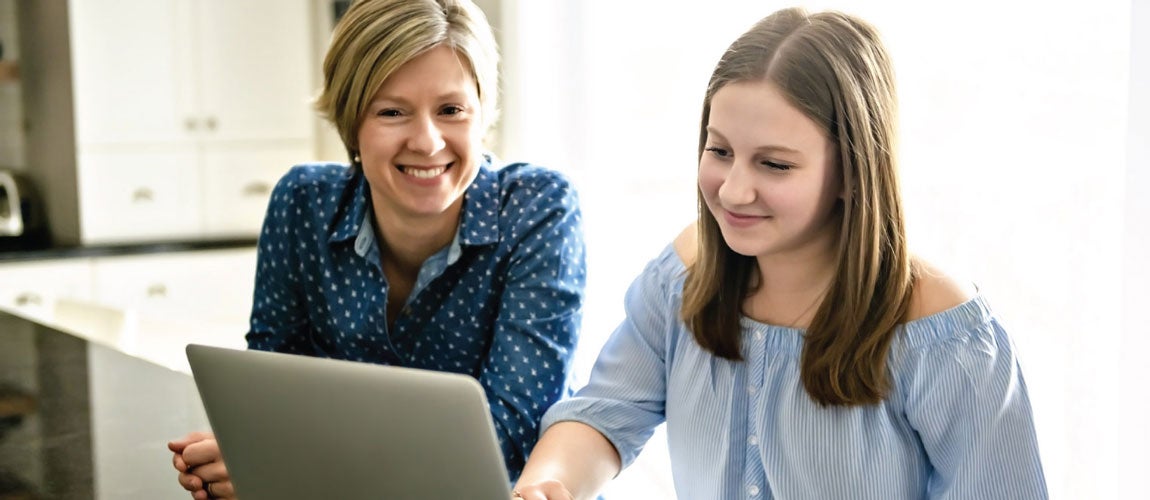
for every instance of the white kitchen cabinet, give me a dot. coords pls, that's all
(32, 288)
(132, 83)
(149, 305)
(148, 71)
(140, 116)
(255, 65)
(200, 286)
(237, 184)
(140, 194)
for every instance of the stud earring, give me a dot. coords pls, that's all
(356, 159)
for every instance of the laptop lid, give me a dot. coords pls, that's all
(293, 426)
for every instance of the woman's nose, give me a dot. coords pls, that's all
(737, 188)
(425, 138)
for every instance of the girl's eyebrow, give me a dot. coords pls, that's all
(773, 148)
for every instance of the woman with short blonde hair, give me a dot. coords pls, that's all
(426, 251)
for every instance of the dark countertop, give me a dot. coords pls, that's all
(61, 252)
(81, 420)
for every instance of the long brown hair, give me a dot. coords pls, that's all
(833, 68)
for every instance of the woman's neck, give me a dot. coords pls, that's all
(790, 286)
(405, 242)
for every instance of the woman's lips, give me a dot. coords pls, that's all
(736, 219)
(424, 171)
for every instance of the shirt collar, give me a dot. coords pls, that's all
(479, 224)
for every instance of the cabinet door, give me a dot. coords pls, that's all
(142, 194)
(197, 286)
(130, 77)
(32, 288)
(255, 59)
(238, 181)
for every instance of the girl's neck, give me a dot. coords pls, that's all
(790, 286)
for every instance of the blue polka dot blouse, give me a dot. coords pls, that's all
(501, 303)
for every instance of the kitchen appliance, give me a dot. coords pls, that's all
(22, 222)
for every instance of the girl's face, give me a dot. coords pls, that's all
(768, 173)
(421, 137)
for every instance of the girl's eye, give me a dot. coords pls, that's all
(389, 112)
(717, 152)
(452, 110)
(776, 166)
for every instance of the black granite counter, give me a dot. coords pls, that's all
(80, 420)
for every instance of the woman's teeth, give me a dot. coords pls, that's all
(424, 173)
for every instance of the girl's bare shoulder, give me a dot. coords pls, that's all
(936, 291)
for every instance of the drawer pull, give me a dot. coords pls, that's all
(28, 298)
(157, 290)
(257, 189)
(142, 195)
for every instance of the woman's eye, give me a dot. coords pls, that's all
(389, 112)
(452, 110)
(718, 152)
(776, 165)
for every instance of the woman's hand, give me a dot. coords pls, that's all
(543, 490)
(201, 468)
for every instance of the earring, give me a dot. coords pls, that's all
(356, 159)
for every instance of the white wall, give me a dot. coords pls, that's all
(1022, 171)
(1132, 431)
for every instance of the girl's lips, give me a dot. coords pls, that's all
(742, 220)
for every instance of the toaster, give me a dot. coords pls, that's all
(22, 222)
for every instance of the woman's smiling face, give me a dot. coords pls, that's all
(768, 173)
(420, 140)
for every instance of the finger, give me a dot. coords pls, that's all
(178, 462)
(202, 452)
(534, 495)
(530, 493)
(190, 482)
(223, 489)
(178, 445)
(546, 490)
(212, 472)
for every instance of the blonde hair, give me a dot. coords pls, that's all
(833, 68)
(375, 37)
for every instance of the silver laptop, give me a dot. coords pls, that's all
(294, 426)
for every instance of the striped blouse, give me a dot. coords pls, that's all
(957, 424)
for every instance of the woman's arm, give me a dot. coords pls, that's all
(591, 437)
(968, 404)
(537, 325)
(279, 317)
(572, 460)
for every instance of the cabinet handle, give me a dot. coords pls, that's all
(28, 298)
(190, 123)
(141, 195)
(210, 123)
(257, 188)
(157, 290)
